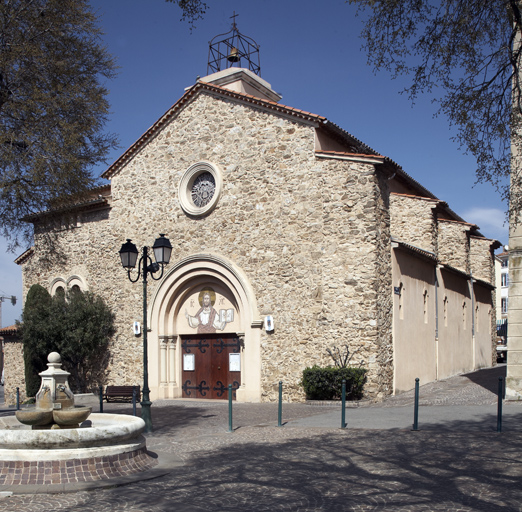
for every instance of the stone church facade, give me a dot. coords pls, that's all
(290, 237)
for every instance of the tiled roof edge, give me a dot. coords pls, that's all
(416, 250)
(192, 93)
(24, 256)
(9, 331)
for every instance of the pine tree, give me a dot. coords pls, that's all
(52, 106)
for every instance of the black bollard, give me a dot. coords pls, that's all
(343, 404)
(280, 407)
(17, 399)
(499, 406)
(134, 391)
(230, 429)
(100, 389)
(416, 407)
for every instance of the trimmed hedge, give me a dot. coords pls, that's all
(326, 383)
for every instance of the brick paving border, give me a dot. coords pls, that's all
(13, 473)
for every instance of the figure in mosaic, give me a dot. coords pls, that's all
(207, 319)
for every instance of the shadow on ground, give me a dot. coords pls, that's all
(488, 377)
(339, 470)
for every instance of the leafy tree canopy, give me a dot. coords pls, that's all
(465, 53)
(192, 10)
(37, 335)
(52, 106)
(78, 325)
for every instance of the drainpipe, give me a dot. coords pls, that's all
(436, 323)
(436, 304)
(472, 316)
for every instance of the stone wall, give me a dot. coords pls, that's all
(14, 372)
(454, 244)
(356, 271)
(311, 235)
(413, 221)
(383, 271)
(481, 259)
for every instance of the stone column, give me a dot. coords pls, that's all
(172, 360)
(163, 360)
(241, 337)
(514, 344)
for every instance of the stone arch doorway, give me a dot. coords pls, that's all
(205, 332)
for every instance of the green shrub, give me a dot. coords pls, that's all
(78, 325)
(326, 383)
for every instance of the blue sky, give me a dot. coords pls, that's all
(311, 54)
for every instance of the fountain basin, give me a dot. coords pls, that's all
(72, 416)
(106, 447)
(53, 444)
(102, 430)
(35, 417)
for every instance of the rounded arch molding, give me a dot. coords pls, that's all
(67, 283)
(209, 265)
(165, 306)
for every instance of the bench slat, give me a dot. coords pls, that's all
(121, 392)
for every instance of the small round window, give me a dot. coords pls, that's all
(200, 188)
(203, 189)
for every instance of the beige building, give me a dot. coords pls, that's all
(290, 236)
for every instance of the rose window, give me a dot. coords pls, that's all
(203, 189)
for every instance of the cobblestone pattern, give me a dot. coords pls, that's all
(475, 388)
(77, 470)
(317, 471)
(260, 467)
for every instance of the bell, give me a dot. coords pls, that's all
(234, 55)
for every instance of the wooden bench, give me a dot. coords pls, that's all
(121, 393)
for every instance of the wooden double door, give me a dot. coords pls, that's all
(210, 362)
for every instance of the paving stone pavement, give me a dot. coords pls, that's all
(262, 467)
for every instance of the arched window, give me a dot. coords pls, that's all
(76, 283)
(58, 285)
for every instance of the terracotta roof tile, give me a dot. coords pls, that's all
(348, 154)
(413, 196)
(199, 87)
(12, 329)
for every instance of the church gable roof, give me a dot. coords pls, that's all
(352, 144)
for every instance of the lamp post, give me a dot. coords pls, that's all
(129, 254)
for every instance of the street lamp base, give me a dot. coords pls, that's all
(146, 415)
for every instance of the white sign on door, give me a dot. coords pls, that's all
(234, 362)
(189, 362)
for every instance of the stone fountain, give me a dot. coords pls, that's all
(58, 443)
(54, 401)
